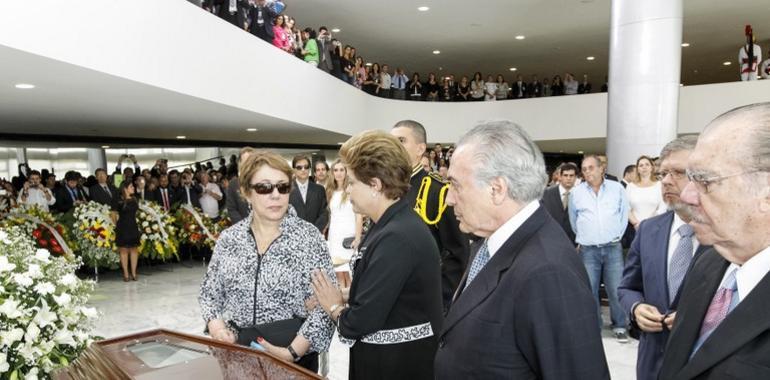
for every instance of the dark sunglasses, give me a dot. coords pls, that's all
(302, 167)
(265, 188)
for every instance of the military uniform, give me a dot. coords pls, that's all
(452, 243)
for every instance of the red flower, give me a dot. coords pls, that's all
(57, 249)
(36, 233)
(42, 243)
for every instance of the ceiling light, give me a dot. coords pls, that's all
(105, 147)
(336, 30)
(580, 152)
(590, 58)
(520, 37)
(423, 9)
(340, 143)
(727, 63)
(512, 69)
(24, 86)
(251, 129)
(437, 52)
(181, 137)
(685, 44)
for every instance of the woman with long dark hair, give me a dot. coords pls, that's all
(127, 233)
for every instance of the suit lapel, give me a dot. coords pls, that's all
(750, 318)
(487, 279)
(699, 290)
(660, 232)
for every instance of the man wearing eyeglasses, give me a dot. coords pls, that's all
(658, 261)
(722, 327)
(308, 198)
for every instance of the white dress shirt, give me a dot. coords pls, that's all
(673, 239)
(303, 190)
(502, 234)
(37, 197)
(750, 273)
(209, 204)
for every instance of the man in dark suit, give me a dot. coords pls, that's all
(237, 208)
(556, 198)
(519, 89)
(262, 17)
(722, 326)
(103, 192)
(524, 309)
(657, 263)
(452, 243)
(69, 195)
(308, 198)
(164, 195)
(189, 192)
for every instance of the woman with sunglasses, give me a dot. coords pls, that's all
(393, 313)
(259, 275)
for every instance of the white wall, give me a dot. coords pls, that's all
(176, 46)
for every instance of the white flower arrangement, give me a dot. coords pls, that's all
(44, 320)
(95, 235)
(158, 239)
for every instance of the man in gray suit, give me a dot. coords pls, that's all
(325, 48)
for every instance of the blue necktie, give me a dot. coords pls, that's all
(680, 261)
(72, 193)
(481, 259)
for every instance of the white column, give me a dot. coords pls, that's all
(97, 158)
(644, 77)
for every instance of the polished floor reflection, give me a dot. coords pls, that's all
(166, 297)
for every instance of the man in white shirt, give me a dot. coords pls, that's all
(658, 261)
(34, 193)
(722, 324)
(385, 83)
(210, 196)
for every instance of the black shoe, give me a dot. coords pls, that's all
(621, 336)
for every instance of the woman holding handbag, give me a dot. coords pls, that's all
(258, 280)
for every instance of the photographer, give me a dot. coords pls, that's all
(34, 193)
(127, 173)
(325, 49)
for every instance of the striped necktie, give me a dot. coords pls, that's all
(724, 301)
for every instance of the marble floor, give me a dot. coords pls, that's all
(166, 296)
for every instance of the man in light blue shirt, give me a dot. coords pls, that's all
(598, 213)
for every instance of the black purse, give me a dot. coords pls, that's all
(279, 333)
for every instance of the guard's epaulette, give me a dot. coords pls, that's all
(436, 177)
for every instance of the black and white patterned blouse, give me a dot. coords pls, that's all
(282, 284)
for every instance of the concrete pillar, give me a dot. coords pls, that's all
(97, 158)
(644, 77)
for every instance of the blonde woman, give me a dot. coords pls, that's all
(343, 223)
(644, 195)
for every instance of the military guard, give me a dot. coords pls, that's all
(427, 194)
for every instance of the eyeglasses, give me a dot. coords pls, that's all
(702, 182)
(302, 167)
(265, 188)
(675, 174)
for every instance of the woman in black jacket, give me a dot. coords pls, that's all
(394, 309)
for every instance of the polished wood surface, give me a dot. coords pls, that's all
(112, 359)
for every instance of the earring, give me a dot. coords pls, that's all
(374, 194)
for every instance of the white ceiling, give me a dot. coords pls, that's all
(74, 101)
(560, 34)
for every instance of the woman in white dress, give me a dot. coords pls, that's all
(343, 223)
(644, 194)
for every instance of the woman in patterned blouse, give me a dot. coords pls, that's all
(394, 309)
(260, 268)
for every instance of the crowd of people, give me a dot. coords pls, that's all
(516, 244)
(417, 269)
(267, 20)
